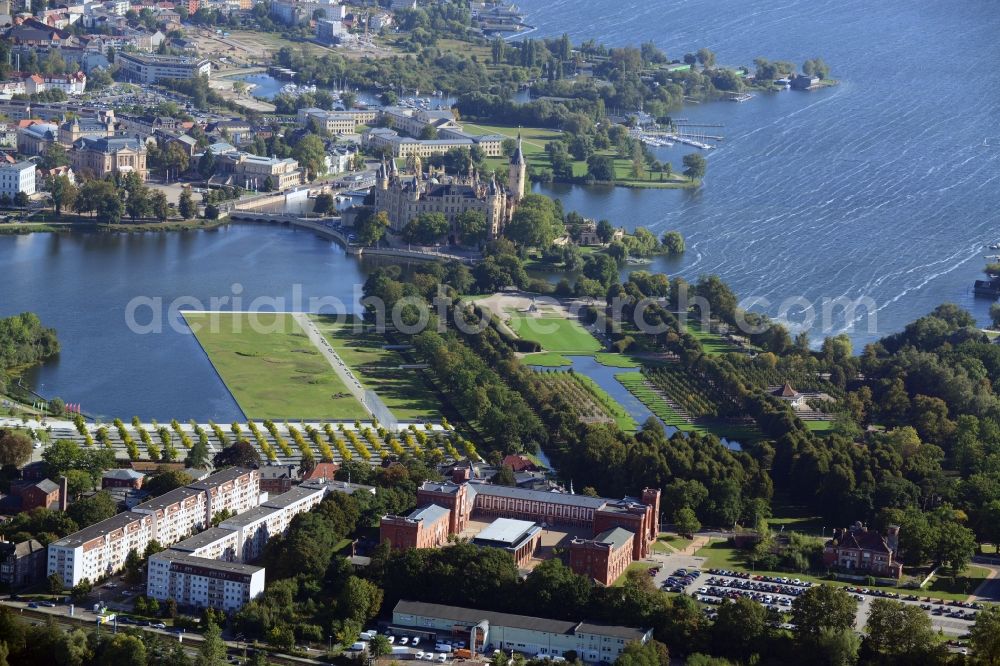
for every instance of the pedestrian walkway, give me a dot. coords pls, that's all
(696, 544)
(323, 345)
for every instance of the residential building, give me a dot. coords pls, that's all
(43, 177)
(277, 479)
(531, 636)
(603, 558)
(8, 136)
(426, 527)
(330, 31)
(71, 84)
(17, 177)
(520, 538)
(201, 582)
(22, 563)
(100, 549)
(105, 156)
(122, 478)
(146, 68)
(865, 551)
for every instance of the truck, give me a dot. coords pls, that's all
(401, 652)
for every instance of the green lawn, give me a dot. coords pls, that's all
(712, 343)
(406, 392)
(614, 360)
(719, 555)
(546, 359)
(635, 566)
(818, 426)
(271, 368)
(555, 334)
(665, 542)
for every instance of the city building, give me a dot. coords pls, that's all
(15, 178)
(330, 31)
(865, 551)
(520, 538)
(254, 172)
(44, 177)
(426, 527)
(100, 549)
(122, 478)
(626, 528)
(531, 636)
(106, 156)
(603, 558)
(201, 582)
(334, 122)
(22, 563)
(71, 84)
(405, 146)
(34, 137)
(94, 127)
(146, 68)
(405, 198)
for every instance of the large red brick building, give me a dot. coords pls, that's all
(460, 502)
(603, 558)
(426, 527)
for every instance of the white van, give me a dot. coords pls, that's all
(359, 646)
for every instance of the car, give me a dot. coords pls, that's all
(428, 656)
(442, 658)
(157, 625)
(392, 639)
(419, 655)
(404, 640)
(32, 605)
(48, 604)
(415, 642)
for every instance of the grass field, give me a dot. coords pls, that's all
(712, 343)
(555, 334)
(405, 392)
(818, 426)
(622, 418)
(276, 375)
(533, 140)
(670, 543)
(615, 360)
(546, 360)
(719, 555)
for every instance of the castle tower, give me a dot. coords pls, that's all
(518, 172)
(382, 176)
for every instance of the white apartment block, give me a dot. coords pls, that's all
(202, 582)
(146, 68)
(17, 177)
(100, 550)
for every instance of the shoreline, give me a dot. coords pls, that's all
(25, 228)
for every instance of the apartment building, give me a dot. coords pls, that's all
(146, 68)
(334, 122)
(254, 172)
(17, 177)
(201, 582)
(100, 550)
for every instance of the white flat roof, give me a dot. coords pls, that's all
(505, 530)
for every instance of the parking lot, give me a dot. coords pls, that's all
(683, 574)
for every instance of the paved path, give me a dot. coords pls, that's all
(989, 589)
(337, 363)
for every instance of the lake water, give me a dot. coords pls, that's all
(82, 285)
(884, 187)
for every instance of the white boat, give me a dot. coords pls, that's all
(994, 246)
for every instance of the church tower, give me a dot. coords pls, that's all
(517, 174)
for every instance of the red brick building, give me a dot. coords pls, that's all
(639, 517)
(866, 551)
(603, 558)
(122, 478)
(426, 527)
(44, 494)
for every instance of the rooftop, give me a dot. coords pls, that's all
(209, 536)
(616, 536)
(505, 531)
(430, 513)
(249, 517)
(169, 498)
(207, 563)
(292, 496)
(100, 529)
(471, 616)
(219, 478)
(123, 474)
